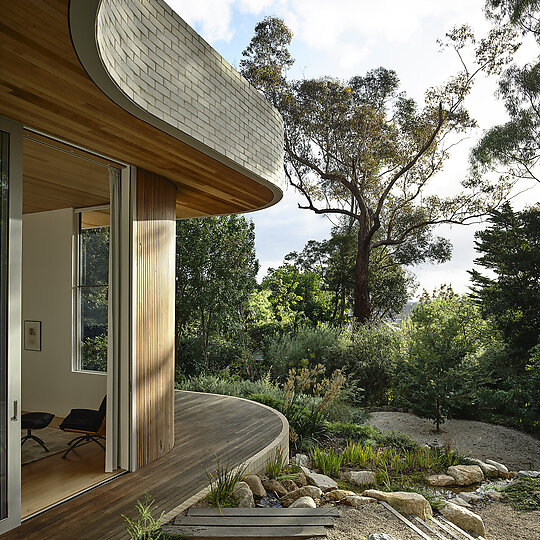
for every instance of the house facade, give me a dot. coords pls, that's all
(116, 119)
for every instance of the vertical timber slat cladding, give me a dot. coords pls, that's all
(154, 356)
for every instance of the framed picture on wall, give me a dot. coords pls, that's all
(32, 335)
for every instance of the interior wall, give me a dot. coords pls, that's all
(48, 381)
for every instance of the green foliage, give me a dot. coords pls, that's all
(94, 353)
(215, 275)
(445, 336)
(223, 482)
(308, 347)
(214, 384)
(146, 527)
(277, 464)
(509, 248)
(354, 432)
(297, 297)
(397, 440)
(328, 462)
(523, 494)
(513, 148)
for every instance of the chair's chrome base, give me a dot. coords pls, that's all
(77, 441)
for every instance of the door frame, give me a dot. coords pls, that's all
(14, 341)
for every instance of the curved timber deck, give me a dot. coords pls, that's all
(206, 425)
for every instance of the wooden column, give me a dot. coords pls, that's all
(154, 253)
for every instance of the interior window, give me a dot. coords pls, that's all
(92, 290)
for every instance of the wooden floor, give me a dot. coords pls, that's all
(205, 426)
(52, 479)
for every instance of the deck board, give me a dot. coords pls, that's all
(205, 426)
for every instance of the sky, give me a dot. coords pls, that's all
(344, 38)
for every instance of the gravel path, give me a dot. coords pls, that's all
(477, 439)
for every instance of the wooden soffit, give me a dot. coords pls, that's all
(44, 86)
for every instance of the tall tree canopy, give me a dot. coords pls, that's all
(510, 250)
(363, 150)
(513, 148)
(215, 274)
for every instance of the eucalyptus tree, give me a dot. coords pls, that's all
(363, 150)
(513, 148)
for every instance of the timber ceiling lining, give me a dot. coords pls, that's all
(43, 86)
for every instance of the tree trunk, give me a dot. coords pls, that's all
(362, 309)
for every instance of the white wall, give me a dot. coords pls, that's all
(48, 381)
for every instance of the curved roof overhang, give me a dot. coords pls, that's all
(54, 80)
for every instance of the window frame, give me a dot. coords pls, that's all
(76, 294)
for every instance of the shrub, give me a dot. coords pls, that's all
(328, 462)
(146, 527)
(523, 494)
(353, 432)
(223, 482)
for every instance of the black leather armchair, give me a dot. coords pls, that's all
(87, 422)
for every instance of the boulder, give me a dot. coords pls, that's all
(461, 502)
(465, 475)
(528, 474)
(289, 484)
(302, 460)
(338, 494)
(303, 502)
(243, 495)
(470, 497)
(490, 471)
(255, 484)
(357, 500)
(360, 478)
(275, 486)
(300, 479)
(463, 518)
(306, 491)
(440, 480)
(403, 501)
(304, 470)
(502, 468)
(493, 495)
(321, 481)
(380, 536)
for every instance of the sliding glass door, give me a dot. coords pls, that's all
(10, 336)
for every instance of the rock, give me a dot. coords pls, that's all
(289, 484)
(528, 474)
(465, 475)
(360, 478)
(463, 518)
(357, 500)
(303, 502)
(255, 484)
(493, 495)
(338, 494)
(502, 468)
(306, 491)
(490, 471)
(321, 481)
(275, 486)
(302, 460)
(305, 470)
(243, 495)
(470, 497)
(441, 480)
(404, 502)
(461, 502)
(380, 536)
(300, 479)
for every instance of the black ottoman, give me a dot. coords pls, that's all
(35, 420)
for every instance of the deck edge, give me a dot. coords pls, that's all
(253, 465)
